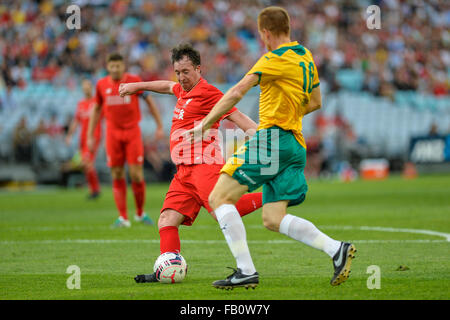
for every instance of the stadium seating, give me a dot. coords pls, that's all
(385, 125)
(350, 79)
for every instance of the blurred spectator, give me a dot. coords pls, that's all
(433, 130)
(344, 137)
(7, 101)
(71, 167)
(46, 72)
(19, 73)
(332, 142)
(7, 76)
(54, 129)
(410, 51)
(405, 79)
(315, 157)
(320, 123)
(22, 141)
(41, 128)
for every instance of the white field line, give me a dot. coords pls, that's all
(444, 235)
(156, 241)
(386, 229)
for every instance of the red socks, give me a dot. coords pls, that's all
(248, 203)
(139, 196)
(120, 196)
(92, 180)
(169, 239)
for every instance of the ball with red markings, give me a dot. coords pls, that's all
(170, 267)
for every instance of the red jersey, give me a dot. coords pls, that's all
(82, 115)
(120, 112)
(192, 106)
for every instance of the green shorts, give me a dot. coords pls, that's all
(274, 159)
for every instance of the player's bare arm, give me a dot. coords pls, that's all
(315, 103)
(243, 121)
(231, 98)
(159, 134)
(93, 121)
(159, 86)
(73, 126)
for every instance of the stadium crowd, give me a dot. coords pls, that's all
(409, 52)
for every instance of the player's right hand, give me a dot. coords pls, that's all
(126, 89)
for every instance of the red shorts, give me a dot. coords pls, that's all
(190, 189)
(124, 145)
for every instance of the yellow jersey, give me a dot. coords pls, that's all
(287, 76)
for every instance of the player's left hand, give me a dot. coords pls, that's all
(159, 134)
(68, 140)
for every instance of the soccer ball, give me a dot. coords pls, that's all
(170, 267)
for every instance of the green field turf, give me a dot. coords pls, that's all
(44, 231)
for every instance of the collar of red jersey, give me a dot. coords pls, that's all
(123, 79)
(201, 80)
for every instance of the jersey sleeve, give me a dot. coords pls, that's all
(228, 113)
(266, 69)
(176, 89)
(316, 81)
(215, 95)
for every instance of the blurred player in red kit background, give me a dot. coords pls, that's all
(123, 136)
(81, 119)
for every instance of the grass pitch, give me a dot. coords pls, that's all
(392, 223)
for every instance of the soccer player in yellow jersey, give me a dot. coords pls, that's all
(276, 155)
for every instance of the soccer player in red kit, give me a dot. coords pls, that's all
(198, 167)
(123, 136)
(81, 119)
